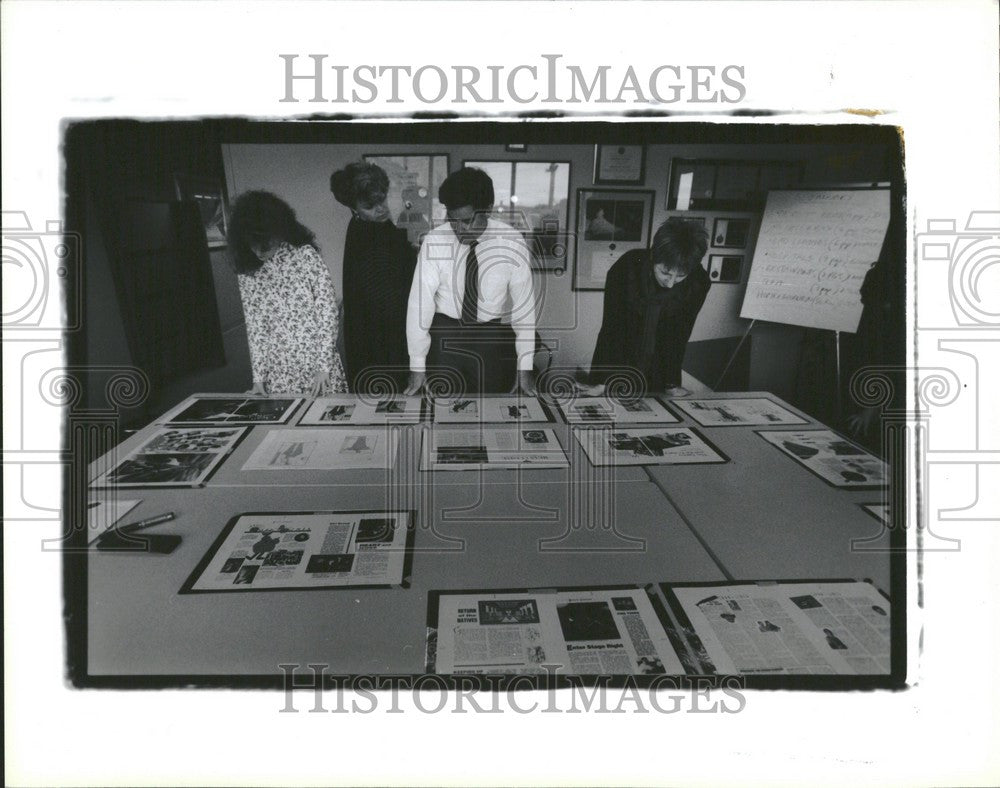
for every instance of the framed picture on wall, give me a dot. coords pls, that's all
(414, 180)
(209, 195)
(609, 222)
(533, 197)
(619, 164)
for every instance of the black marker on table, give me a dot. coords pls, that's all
(149, 522)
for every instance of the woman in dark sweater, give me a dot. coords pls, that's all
(651, 299)
(378, 270)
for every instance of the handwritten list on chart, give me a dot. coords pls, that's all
(813, 251)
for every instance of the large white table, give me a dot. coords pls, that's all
(760, 516)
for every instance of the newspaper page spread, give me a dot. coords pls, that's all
(173, 457)
(347, 410)
(482, 447)
(738, 411)
(830, 456)
(788, 628)
(582, 632)
(608, 410)
(488, 410)
(303, 449)
(647, 446)
(305, 550)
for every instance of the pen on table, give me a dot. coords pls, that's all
(149, 522)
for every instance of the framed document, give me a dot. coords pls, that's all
(608, 223)
(619, 164)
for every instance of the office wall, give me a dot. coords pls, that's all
(568, 319)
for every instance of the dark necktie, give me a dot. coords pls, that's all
(470, 300)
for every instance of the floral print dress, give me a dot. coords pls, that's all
(291, 313)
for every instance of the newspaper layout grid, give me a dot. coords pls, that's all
(351, 410)
(588, 632)
(792, 628)
(307, 550)
(601, 410)
(457, 449)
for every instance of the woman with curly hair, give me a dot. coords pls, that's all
(289, 302)
(378, 269)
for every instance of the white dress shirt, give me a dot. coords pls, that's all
(505, 287)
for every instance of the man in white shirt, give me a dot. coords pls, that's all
(471, 273)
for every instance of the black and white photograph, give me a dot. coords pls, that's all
(177, 456)
(233, 410)
(647, 446)
(624, 370)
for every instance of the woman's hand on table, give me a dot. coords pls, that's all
(319, 381)
(672, 392)
(258, 390)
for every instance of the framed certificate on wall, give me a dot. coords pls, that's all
(609, 222)
(618, 165)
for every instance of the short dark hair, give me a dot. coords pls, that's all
(259, 217)
(467, 186)
(679, 244)
(359, 180)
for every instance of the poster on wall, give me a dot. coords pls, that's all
(586, 631)
(609, 223)
(268, 551)
(414, 180)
